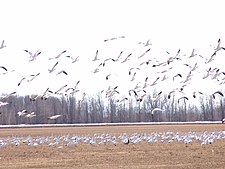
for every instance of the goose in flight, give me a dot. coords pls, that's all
(61, 88)
(192, 53)
(53, 68)
(7, 95)
(21, 81)
(22, 113)
(44, 96)
(4, 68)
(59, 55)
(155, 82)
(118, 57)
(155, 110)
(177, 75)
(169, 95)
(132, 69)
(184, 97)
(96, 56)
(96, 70)
(3, 103)
(127, 58)
(140, 99)
(30, 115)
(133, 76)
(77, 84)
(194, 94)
(33, 55)
(217, 92)
(107, 77)
(27, 77)
(29, 80)
(54, 117)
(144, 53)
(62, 71)
(2, 45)
(74, 60)
(218, 46)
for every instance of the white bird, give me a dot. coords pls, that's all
(30, 115)
(62, 71)
(54, 117)
(3, 103)
(2, 45)
(144, 53)
(29, 80)
(127, 58)
(184, 97)
(22, 113)
(155, 110)
(61, 88)
(58, 55)
(96, 56)
(33, 56)
(53, 68)
(217, 92)
(3, 68)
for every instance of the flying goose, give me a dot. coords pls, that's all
(127, 58)
(217, 92)
(26, 77)
(2, 45)
(192, 53)
(62, 71)
(145, 84)
(169, 95)
(54, 117)
(45, 94)
(29, 80)
(30, 115)
(133, 76)
(144, 53)
(155, 82)
(7, 95)
(73, 59)
(118, 57)
(177, 75)
(61, 88)
(33, 55)
(22, 113)
(96, 56)
(53, 68)
(58, 55)
(184, 97)
(155, 110)
(4, 68)
(132, 69)
(21, 81)
(3, 103)
(218, 46)
(194, 94)
(107, 77)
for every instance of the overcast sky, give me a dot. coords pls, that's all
(81, 26)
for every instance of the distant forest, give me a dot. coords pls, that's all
(101, 110)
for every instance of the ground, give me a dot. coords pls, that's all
(143, 155)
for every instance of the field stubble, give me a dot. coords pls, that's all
(142, 155)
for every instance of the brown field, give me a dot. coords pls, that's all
(142, 155)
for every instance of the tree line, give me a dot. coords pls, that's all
(97, 109)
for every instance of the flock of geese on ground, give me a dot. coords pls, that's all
(68, 140)
(159, 70)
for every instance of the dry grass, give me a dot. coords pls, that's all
(143, 155)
